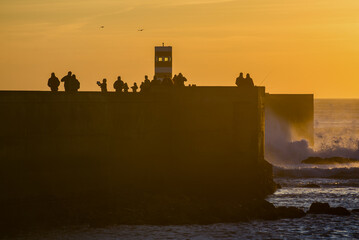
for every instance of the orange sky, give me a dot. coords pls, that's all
(291, 46)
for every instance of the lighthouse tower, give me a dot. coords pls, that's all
(163, 62)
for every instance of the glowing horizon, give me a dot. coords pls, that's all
(291, 47)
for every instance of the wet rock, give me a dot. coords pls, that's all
(278, 186)
(340, 211)
(290, 212)
(311, 185)
(319, 208)
(355, 210)
(324, 208)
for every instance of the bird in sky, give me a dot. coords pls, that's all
(140, 30)
(102, 27)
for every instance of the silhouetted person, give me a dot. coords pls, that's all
(125, 87)
(53, 83)
(74, 84)
(145, 85)
(147, 81)
(134, 87)
(67, 81)
(167, 82)
(174, 79)
(118, 85)
(240, 80)
(249, 81)
(179, 80)
(103, 85)
(155, 81)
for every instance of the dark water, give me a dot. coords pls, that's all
(336, 192)
(337, 133)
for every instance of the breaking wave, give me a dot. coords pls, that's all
(286, 153)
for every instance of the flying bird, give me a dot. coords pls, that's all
(140, 30)
(102, 27)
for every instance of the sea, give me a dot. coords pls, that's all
(336, 134)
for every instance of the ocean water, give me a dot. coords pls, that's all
(336, 134)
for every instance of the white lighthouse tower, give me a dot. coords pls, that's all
(163, 62)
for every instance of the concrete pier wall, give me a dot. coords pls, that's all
(199, 140)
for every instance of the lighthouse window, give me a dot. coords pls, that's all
(166, 59)
(160, 59)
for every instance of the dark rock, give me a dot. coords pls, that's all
(340, 211)
(324, 208)
(319, 208)
(278, 186)
(311, 185)
(290, 212)
(355, 211)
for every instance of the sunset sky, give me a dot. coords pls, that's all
(290, 46)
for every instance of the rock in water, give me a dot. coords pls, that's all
(319, 208)
(340, 211)
(324, 208)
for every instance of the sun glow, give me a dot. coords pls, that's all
(291, 47)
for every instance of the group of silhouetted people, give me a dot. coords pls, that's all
(244, 82)
(176, 81)
(119, 85)
(71, 83)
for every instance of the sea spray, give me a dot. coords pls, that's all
(284, 150)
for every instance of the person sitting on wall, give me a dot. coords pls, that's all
(179, 80)
(103, 85)
(53, 83)
(134, 87)
(74, 84)
(125, 87)
(118, 85)
(67, 81)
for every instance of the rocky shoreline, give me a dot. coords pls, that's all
(152, 210)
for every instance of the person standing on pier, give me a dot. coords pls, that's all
(178, 81)
(240, 80)
(249, 81)
(244, 82)
(74, 84)
(53, 83)
(118, 85)
(67, 81)
(103, 85)
(134, 87)
(125, 87)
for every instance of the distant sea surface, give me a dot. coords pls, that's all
(336, 127)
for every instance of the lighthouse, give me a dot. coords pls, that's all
(163, 62)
